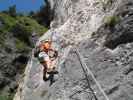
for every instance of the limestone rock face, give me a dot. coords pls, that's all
(101, 31)
(77, 17)
(12, 63)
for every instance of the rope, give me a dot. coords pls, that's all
(88, 81)
(84, 66)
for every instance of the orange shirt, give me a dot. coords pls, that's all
(45, 46)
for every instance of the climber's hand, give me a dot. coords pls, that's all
(53, 54)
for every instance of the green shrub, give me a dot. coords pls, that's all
(21, 45)
(31, 25)
(21, 26)
(7, 21)
(111, 20)
(4, 97)
(2, 38)
(12, 11)
(25, 26)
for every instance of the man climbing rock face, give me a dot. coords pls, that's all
(46, 60)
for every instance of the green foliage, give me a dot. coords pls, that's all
(2, 38)
(25, 26)
(12, 11)
(45, 15)
(7, 22)
(4, 97)
(21, 27)
(21, 46)
(31, 13)
(111, 20)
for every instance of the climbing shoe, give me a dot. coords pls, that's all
(52, 72)
(46, 77)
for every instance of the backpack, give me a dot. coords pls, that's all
(36, 51)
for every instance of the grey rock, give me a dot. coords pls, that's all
(107, 51)
(12, 64)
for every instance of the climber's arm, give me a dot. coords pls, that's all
(54, 54)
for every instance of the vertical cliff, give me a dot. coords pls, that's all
(101, 31)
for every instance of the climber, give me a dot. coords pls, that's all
(47, 58)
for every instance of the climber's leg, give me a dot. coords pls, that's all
(52, 68)
(45, 75)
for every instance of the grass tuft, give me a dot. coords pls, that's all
(111, 20)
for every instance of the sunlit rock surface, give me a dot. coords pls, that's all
(106, 47)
